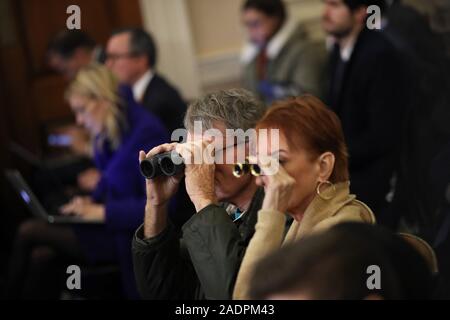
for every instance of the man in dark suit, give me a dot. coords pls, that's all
(70, 50)
(131, 55)
(366, 90)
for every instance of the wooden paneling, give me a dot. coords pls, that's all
(42, 19)
(50, 106)
(126, 13)
(33, 94)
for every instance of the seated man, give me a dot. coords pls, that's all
(70, 50)
(203, 260)
(349, 261)
(281, 59)
(131, 55)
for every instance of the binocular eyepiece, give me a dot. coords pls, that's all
(241, 169)
(162, 164)
(170, 164)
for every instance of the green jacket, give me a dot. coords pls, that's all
(201, 262)
(297, 65)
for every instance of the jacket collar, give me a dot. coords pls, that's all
(140, 86)
(253, 208)
(320, 209)
(345, 52)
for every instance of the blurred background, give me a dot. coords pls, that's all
(199, 44)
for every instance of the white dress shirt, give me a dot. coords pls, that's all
(140, 86)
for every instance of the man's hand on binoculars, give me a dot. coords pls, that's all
(161, 189)
(198, 158)
(199, 172)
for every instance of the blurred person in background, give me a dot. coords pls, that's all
(334, 265)
(131, 54)
(67, 53)
(70, 50)
(367, 91)
(440, 181)
(419, 29)
(280, 59)
(121, 128)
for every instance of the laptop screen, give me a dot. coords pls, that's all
(25, 196)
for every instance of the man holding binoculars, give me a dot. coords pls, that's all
(201, 261)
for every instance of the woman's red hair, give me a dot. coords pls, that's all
(308, 124)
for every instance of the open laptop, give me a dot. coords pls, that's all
(35, 206)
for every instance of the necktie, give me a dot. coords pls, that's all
(261, 63)
(337, 76)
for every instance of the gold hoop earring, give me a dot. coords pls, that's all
(321, 183)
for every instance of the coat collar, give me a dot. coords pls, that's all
(140, 86)
(320, 209)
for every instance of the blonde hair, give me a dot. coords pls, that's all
(98, 83)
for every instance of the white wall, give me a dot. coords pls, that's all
(168, 22)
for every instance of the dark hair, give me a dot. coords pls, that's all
(355, 4)
(67, 41)
(141, 43)
(272, 8)
(333, 265)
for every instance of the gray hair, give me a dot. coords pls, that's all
(236, 108)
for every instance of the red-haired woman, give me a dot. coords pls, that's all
(311, 184)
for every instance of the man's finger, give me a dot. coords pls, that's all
(185, 151)
(161, 149)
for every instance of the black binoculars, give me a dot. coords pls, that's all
(243, 168)
(162, 165)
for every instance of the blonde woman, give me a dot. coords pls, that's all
(120, 129)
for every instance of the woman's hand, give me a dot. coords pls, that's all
(278, 185)
(160, 189)
(88, 179)
(84, 207)
(200, 170)
(80, 138)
